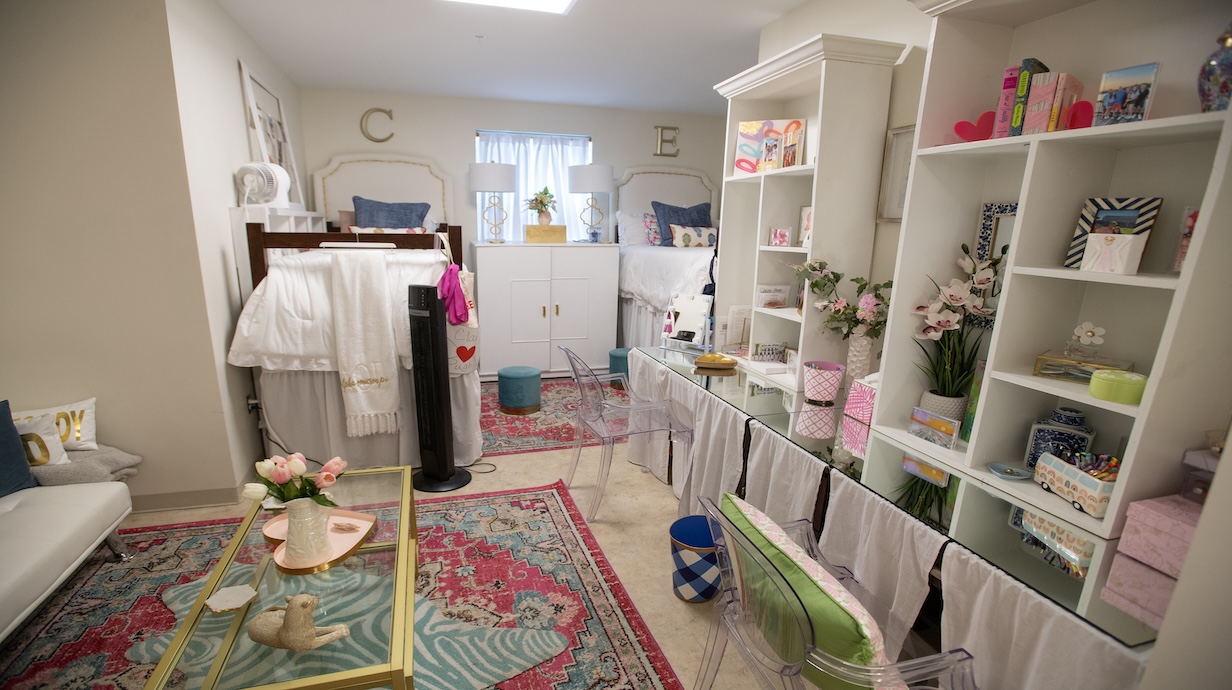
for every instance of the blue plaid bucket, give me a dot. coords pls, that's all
(696, 577)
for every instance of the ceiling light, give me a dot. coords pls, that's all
(554, 6)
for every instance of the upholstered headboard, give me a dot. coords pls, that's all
(676, 186)
(382, 177)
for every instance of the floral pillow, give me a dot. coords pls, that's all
(651, 222)
(689, 236)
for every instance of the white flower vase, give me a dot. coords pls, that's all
(944, 405)
(859, 357)
(307, 533)
(545, 218)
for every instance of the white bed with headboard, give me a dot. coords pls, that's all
(286, 328)
(650, 274)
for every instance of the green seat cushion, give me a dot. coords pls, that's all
(841, 625)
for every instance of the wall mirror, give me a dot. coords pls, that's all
(268, 139)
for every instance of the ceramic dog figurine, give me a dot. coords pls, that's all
(290, 627)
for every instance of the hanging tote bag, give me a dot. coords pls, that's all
(457, 289)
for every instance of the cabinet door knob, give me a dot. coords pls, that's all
(545, 311)
(558, 310)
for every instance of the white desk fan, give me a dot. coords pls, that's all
(263, 184)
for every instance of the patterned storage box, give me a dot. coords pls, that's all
(1143, 586)
(855, 436)
(1158, 532)
(1071, 546)
(860, 402)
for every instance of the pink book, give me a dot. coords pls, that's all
(1039, 103)
(1005, 107)
(1069, 90)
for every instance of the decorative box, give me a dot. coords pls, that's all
(1117, 386)
(855, 435)
(538, 234)
(1146, 590)
(860, 402)
(1069, 545)
(1062, 429)
(1055, 364)
(1084, 492)
(1158, 531)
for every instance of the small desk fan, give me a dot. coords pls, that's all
(263, 184)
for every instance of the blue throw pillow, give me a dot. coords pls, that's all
(14, 468)
(694, 216)
(378, 214)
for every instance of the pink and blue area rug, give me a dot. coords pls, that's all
(498, 572)
(551, 428)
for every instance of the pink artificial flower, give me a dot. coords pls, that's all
(281, 474)
(840, 304)
(335, 466)
(278, 460)
(324, 479)
(865, 314)
(869, 302)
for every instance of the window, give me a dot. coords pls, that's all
(543, 160)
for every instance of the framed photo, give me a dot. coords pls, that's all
(268, 139)
(806, 226)
(996, 227)
(895, 169)
(780, 237)
(933, 428)
(1124, 216)
(1125, 94)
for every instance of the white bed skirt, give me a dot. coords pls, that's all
(638, 325)
(303, 410)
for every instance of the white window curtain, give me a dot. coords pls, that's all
(543, 160)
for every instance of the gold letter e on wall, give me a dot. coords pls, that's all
(363, 124)
(664, 139)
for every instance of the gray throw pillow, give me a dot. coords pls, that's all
(379, 214)
(694, 216)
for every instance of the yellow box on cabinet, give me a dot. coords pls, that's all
(545, 233)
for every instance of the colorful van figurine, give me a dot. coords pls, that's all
(1084, 492)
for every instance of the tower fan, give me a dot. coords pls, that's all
(430, 362)
(263, 184)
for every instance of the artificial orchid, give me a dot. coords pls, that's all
(285, 478)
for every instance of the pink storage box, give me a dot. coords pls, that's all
(1142, 585)
(1131, 608)
(855, 436)
(860, 402)
(1158, 531)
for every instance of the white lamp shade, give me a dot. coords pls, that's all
(590, 179)
(494, 177)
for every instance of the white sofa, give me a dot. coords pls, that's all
(47, 532)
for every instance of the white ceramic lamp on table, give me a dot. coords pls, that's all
(494, 179)
(592, 180)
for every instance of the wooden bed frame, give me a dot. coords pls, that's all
(259, 240)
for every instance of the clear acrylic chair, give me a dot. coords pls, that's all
(610, 420)
(761, 613)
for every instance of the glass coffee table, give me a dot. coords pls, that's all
(371, 591)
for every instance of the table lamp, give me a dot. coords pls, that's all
(494, 179)
(591, 179)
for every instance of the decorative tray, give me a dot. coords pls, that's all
(343, 544)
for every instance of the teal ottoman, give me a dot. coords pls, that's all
(517, 389)
(618, 363)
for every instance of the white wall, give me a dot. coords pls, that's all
(442, 129)
(885, 20)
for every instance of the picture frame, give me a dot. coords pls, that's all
(780, 237)
(1125, 94)
(997, 222)
(806, 226)
(895, 171)
(1100, 213)
(933, 428)
(269, 140)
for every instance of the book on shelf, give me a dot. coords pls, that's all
(1069, 90)
(771, 296)
(1039, 102)
(1030, 68)
(1005, 106)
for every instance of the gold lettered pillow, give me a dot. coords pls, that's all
(75, 422)
(41, 440)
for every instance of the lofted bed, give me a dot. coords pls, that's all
(286, 330)
(651, 274)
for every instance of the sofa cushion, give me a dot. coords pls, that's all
(14, 468)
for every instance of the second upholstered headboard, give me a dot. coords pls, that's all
(390, 178)
(675, 186)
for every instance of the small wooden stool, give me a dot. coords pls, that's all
(517, 389)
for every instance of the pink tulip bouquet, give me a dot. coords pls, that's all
(285, 480)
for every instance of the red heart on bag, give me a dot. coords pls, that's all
(981, 130)
(465, 353)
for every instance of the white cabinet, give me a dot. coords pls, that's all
(840, 88)
(533, 298)
(1174, 326)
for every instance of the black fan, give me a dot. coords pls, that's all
(430, 361)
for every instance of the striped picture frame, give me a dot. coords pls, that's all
(1145, 209)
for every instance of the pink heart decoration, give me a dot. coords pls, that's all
(1081, 114)
(981, 130)
(465, 353)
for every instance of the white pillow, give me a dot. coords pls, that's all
(41, 440)
(75, 422)
(632, 231)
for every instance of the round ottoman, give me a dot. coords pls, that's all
(618, 363)
(517, 389)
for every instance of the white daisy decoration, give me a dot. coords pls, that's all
(1089, 334)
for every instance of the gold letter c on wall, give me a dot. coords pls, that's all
(363, 124)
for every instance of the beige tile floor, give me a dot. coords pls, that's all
(631, 528)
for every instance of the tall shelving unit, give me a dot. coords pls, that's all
(1174, 327)
(840, 87)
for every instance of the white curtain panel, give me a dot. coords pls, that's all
(542, 160)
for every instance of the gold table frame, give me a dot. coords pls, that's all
(396, 673)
